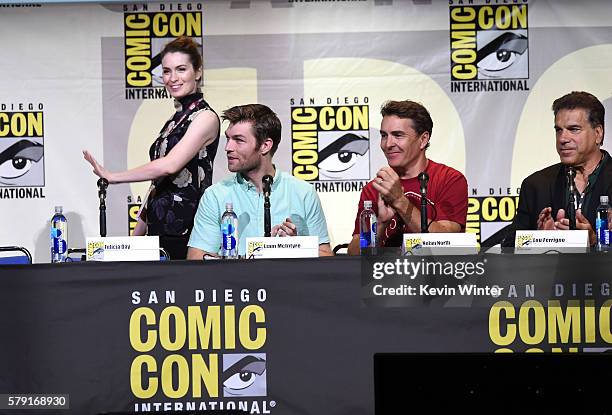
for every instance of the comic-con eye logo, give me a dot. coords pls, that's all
(21, 149)
(244, 375)
(95, 250)
(330, 143)
(489, 42)
(411, 244)
(145, 36)
(254, 249)
(344, 157)
(524, 240)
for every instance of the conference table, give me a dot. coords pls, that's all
(283, 336)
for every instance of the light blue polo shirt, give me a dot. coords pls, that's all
(290, 198)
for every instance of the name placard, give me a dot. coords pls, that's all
(285, 247)
(123, 248)
(539, 242)
(440, 244)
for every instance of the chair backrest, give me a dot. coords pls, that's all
(14, 255)
(75, 255)
(163, 254)
(497, 238)
(339, 247)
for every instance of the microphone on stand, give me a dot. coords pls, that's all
(571, 187)
(267, 181)
(102, 185)
(423, 179)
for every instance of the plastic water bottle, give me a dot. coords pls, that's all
(367, 229)
(229, 231)
(59, 236)
(602, 221)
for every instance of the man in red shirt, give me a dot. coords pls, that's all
(404, 137)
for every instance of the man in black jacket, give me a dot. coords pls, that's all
(544, 198)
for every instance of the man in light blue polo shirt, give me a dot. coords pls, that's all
(252, 139)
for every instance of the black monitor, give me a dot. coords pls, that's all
(516, 383)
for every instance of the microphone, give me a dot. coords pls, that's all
(267, 181)
(423, 179)
(102, 185)
(571, 185)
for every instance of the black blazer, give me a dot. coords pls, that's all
(546, 188)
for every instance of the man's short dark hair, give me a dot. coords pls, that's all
(583, 100)
(264, 121)
(421, 120)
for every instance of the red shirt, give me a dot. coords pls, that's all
(446, 190)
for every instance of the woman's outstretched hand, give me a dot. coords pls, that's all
(98, 169)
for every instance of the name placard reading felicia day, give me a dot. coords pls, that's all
(537, 242)
(123, 248)
(285, 247)
(440, 244)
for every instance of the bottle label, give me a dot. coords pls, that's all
(374, 233)
(368, 238)
(59, 246)
(601, 226)
(58, 240)
(229, 238)
(364, 239)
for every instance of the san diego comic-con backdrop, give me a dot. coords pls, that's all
(87, 76)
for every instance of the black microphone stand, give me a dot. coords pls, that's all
(571, 209)
(267, 181)
(267, 221)
(102, 185)
(424, 212)
(423, 178)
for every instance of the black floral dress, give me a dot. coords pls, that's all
(174, 199)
